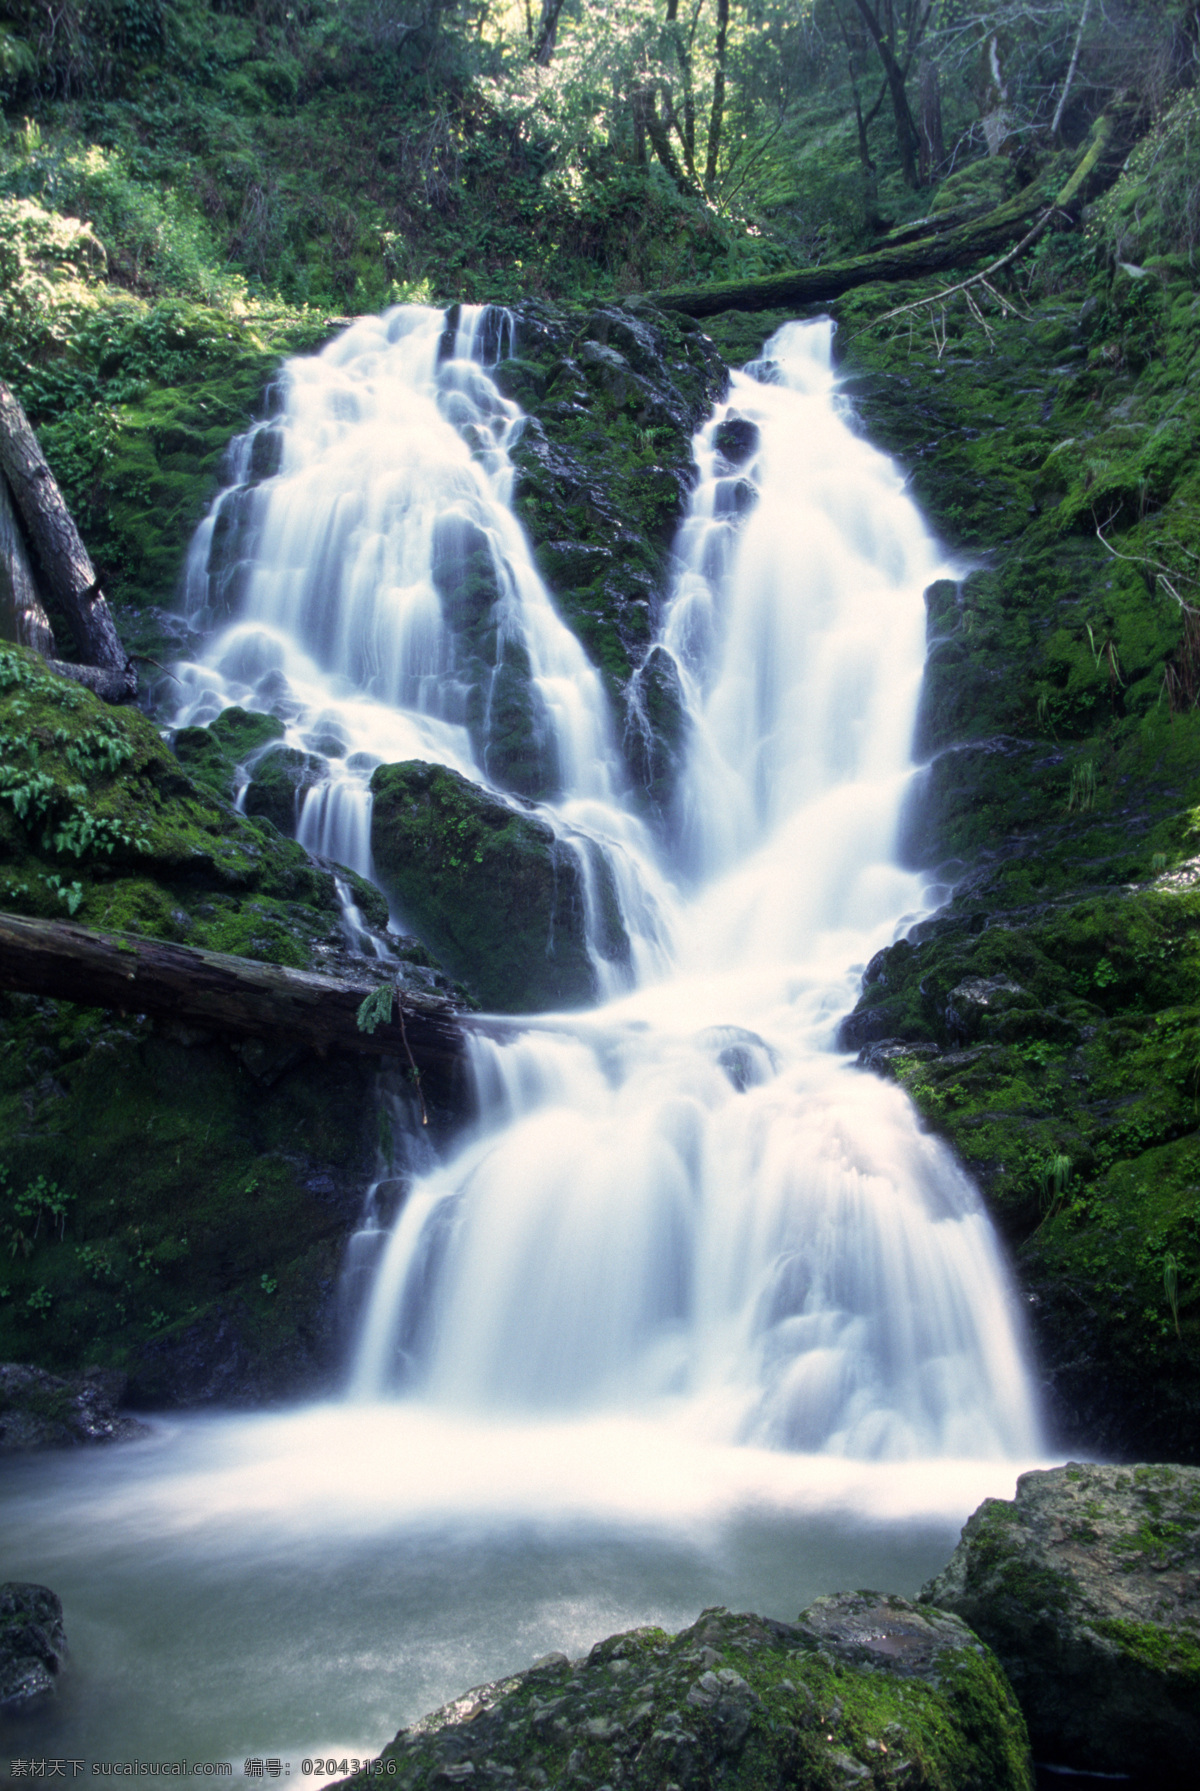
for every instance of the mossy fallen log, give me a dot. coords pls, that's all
(221, 994)
(64, 571)
(957, 246)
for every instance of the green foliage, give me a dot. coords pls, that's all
(24, 1212)
(376, 1009)
(1154, 207)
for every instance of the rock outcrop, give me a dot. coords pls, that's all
(33, 1646)
(492, 891)
(43, 1411)
(864, 1690)
(1086, 1585)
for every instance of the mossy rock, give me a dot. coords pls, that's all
(196, 1193)
(604, 472)
(1086, 1587)
(212, 754)
(490, 890)
(282, 778)
(863, 1689)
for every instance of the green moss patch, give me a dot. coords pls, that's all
(733, 1700)
(491, 890)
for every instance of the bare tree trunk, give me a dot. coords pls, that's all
(22, 617)
(547, 32)
(717, 117)
(933, 148)
(686, 128)
(907, 136)
(647, 120)
(1065, 94)
(65, 573)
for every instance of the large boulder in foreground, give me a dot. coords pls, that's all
(1087, 1585)
(865, 1690)
(492, 891)
(33, 1646)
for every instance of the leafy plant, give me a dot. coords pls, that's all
(1055, 1177)
(376, 1009)
(1082, 793)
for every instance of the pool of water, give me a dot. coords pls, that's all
(297, 1586)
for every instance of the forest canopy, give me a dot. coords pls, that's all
(347, 151)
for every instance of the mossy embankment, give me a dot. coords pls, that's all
(1047, 1020)
(169, 1205)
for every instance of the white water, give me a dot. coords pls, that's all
(695, 1312)
(685, 1201)
(394, 470)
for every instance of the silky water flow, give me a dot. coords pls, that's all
(693, 1311)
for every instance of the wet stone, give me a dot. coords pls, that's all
(33, 1646)
(733, 1705)
(1087, 1585)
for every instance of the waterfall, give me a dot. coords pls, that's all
(682, 1203)
(367, 583)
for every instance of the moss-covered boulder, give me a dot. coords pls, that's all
(213, 754)
(863, 1690)
(492, 891)
(1086, 1585)
(281, 780)
(174, 1205)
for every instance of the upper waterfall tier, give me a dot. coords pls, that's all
(369, 585)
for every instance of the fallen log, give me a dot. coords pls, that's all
(904, 260)
(65, 572)
(217, 993)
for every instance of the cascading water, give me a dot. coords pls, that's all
(686, 1199)
(375, 592)
(690, 1286)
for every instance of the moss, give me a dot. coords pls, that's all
(100, 821)
(737, 1701)
(490, 890)
(211, 755)
(204, 1206)
(1170, 1652)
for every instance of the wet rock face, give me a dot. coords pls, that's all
(864, 1690)
(492, 891)
(33, 1646)
(43, 1411)
(604, 470)
(1086, 1585)
(282, 778)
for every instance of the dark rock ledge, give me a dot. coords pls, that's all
(43, 1411)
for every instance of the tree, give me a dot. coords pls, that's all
(897, 28)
